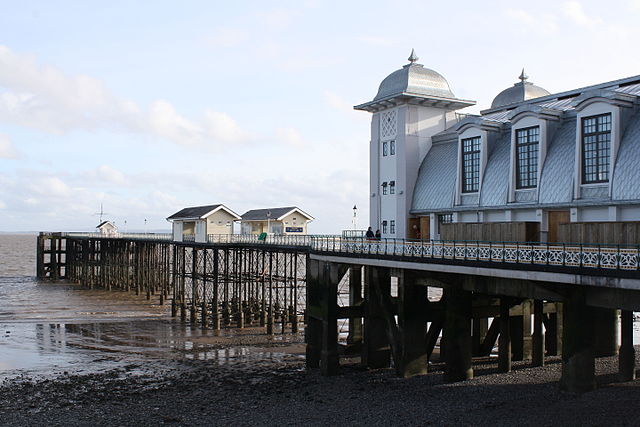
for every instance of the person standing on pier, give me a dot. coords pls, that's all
(378, 235)
(369, 235)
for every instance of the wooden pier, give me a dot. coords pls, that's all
(532, 301)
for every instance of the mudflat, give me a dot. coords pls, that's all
(250, 390)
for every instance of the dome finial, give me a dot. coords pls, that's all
(413, 57)
(523, 76)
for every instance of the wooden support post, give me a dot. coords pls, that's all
(504, 341)
(578, 361)
(553, 332)
(480, 329)
(354, 339)
(413, 305)
(329, 362)
(537, 340)
(627, 355)
(457, 330)
(376, 351)
(313, 329)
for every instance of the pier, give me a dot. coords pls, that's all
(534, 300)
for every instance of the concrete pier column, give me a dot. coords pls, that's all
(376, 351)
(504, 340)
(457, 330)
(605, 332)
(553, 331)
(627, 356)
(354, 339)
(537, 340)
(578, 360)
(413, 305)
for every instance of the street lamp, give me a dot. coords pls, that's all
(268, 221)
(355, 210)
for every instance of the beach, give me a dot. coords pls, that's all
(78, 357)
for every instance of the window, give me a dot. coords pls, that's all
(470, 164)
(392, 227)
(392, 187)
(385, 148)
(384, 188)
(384, 227)
(596, 143)
(392, 148)
(527, 157)
(445, 218)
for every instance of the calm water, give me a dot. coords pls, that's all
(47, 328)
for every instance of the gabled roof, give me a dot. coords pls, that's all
(273, 213)
(103, 223)
(200, 212)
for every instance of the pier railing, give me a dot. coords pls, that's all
(611, 257)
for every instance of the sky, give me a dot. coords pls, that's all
(147, 107)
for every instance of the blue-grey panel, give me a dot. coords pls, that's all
(496, 176)
(631, 89)
(436, 179)
(556, 183)
(626, 174)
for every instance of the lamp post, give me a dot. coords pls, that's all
(268, 221)
(355, 210)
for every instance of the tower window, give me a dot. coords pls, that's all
(392, 148)
(384, 227)
(385, 149)
(392, 227)
(527, 141)
(596, 148)
(470, 164)
(384, 188)
(392, 187)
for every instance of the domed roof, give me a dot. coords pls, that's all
(412, 79)
(519, 92)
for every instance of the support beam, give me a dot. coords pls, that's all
(413, 307)
(376, 351)
(627, 356)
(578, 361)
(354, 339)
(605, 332)
(504, 341)
(458, 335)
(537, 340)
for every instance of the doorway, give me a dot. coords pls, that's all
(555, 219)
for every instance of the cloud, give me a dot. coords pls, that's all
(573, 10)
(7, 150)
(105, 174)
(337, 102)
(43, 97)
(290, 136)
(227, 37)
(544, 24)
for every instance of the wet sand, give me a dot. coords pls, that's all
(279, 391)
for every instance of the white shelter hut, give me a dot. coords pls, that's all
(193, 224)
(287, 220)
(107, 228)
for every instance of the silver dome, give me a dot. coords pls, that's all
(413, 78)
(521, 91)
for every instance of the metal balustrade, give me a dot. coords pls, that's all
(608, 257)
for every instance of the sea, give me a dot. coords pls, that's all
(52, 328)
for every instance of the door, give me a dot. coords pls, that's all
(414, 228)
(555, 219)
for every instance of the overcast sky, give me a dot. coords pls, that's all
(148, 107)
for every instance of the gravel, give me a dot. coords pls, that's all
(280, 391)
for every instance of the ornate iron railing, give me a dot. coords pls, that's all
(610, 257)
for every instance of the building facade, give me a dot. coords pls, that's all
(532, 158)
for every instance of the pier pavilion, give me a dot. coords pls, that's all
(527, 217)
